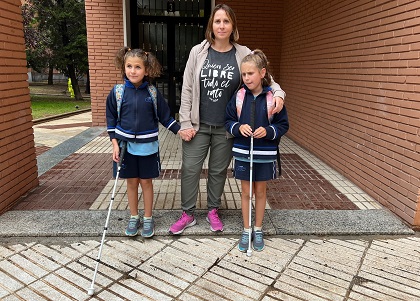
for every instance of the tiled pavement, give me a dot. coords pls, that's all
(211, 268)
(83, 180)
(49, 242)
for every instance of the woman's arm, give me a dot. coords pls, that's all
(279, 96)
(187, 89)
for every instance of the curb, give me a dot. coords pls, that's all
(55, 117)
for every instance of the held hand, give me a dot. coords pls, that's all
(187, 134)
(183, 134)
(260, 132)
(245, 130)
(279, 104)
(193, 132)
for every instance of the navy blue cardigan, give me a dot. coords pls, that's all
(264, 148)
(138, 121)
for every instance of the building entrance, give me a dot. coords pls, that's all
(169, 29)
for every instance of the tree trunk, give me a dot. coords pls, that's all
(87, 90)
(74, 82)
(50, 75)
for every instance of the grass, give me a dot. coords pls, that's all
(50, 105)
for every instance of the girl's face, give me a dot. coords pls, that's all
(222, 27)
(135, 70)
(252, 77)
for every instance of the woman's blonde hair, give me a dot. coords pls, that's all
(152, 65)
(234, 37)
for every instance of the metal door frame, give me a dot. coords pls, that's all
(171, 76)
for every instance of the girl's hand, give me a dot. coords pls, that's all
(116, 153)
(115, 150)
(187, 134)
(279, 104)
(245, 130)
(260, 132)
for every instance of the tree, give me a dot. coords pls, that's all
(56, 34)
(38, 55)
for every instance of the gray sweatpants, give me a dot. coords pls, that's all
(194, 152)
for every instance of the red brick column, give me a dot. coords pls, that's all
(104, 22)
(18, 170)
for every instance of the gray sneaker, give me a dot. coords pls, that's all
(243, 242)
(132, 227)
(258, 240)
(148, 228)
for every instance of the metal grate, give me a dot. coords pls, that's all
(175, 8)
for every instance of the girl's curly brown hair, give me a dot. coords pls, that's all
(152, 65)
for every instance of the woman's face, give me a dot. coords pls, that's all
(222, 26)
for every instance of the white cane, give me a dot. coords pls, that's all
(251, 152)
(91, 289)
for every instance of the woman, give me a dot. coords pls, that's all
(210, 79)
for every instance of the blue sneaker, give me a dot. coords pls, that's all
(132, 227)
(148, 228)
(258, 240)
(243, 242)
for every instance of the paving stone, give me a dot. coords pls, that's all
(10, 298)
(40, 260)
(132, 290)
(154, 277)
(16, 272)
(8, 284)
(65, 287)
(204, 294)
(220, 289)
(5, 252)
(28, 293)
(302, 289)
(28, 266)
(229, 288)
(247, 282)
(278, 295)
(381, 291)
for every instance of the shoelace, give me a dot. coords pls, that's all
(214, 217)
(258, 237)
(183, 217)
(147, 225)
(245, 237)
(132, 223)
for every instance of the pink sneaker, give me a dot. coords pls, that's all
(214, 221)
(184, 222)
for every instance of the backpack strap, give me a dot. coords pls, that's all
(119, 93)
(153, 93)
(240, 97)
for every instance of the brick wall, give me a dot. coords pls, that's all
(18, 170)
(104, 22)
(260, 27)
(351, 73)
